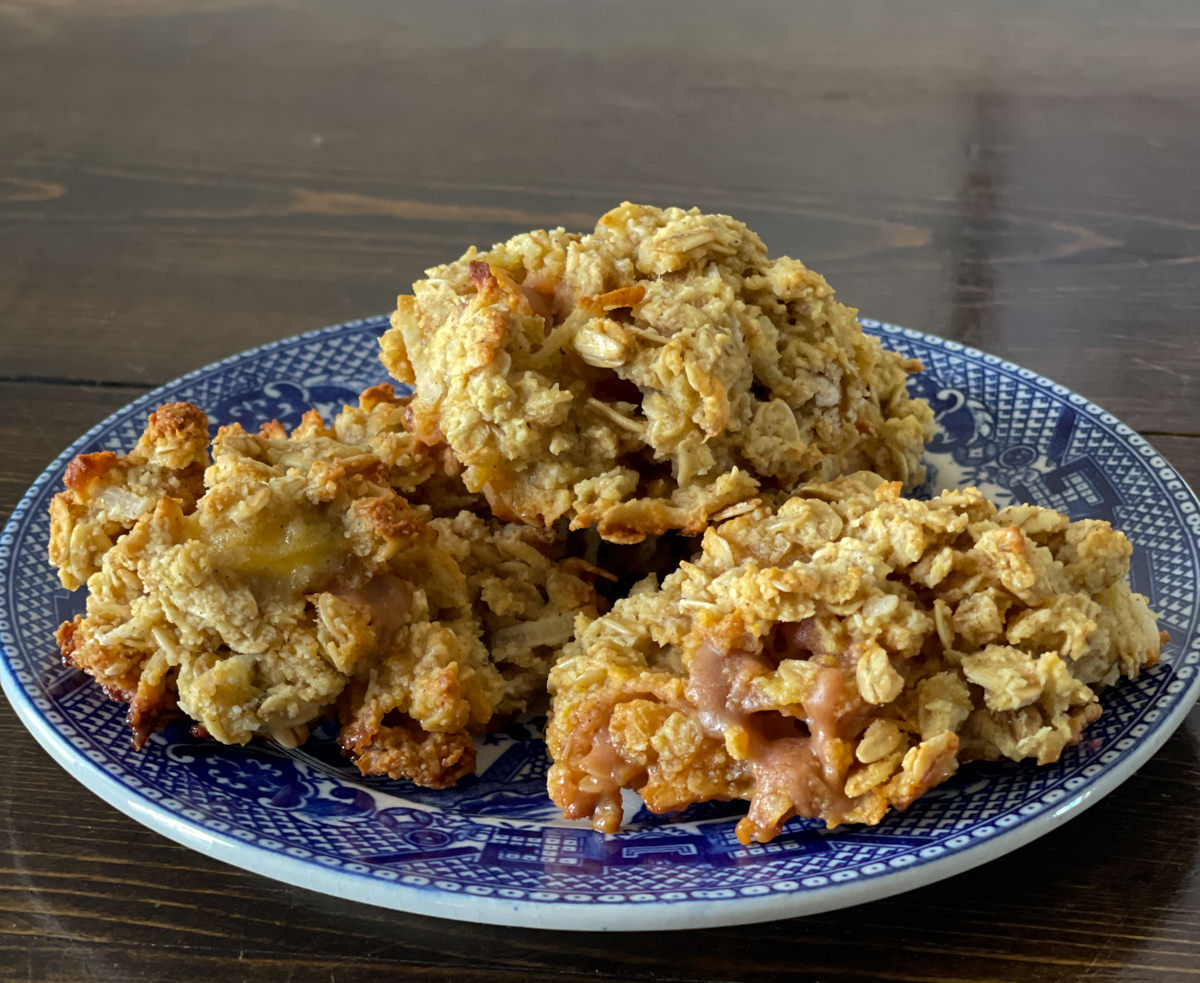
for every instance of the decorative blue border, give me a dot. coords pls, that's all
(492, 850)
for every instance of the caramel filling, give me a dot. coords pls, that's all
(791, 756)
(606, 772)
(387, 601)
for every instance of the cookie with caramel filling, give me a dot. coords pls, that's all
(839, 655)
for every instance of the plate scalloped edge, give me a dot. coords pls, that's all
(960, 453)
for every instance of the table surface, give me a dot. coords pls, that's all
(179, 181)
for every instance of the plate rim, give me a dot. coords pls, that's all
(579, 916)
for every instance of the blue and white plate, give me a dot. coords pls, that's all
(493, 849)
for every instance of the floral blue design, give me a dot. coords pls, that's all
(494, 848)
(285, 402)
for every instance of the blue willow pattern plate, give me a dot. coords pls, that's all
(494, 849)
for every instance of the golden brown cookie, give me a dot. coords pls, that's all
(298, 580)
(647, 376)
(841, 654)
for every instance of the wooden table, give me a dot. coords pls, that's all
(180, 181)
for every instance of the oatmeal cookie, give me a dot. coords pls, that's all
(841, 654)
(648, 375)
(299, 581)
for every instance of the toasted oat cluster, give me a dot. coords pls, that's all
(106, 493)
(292, 578)
(842, 653)
(647, 376)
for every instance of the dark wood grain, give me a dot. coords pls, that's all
(179, 181)
(234, 175)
